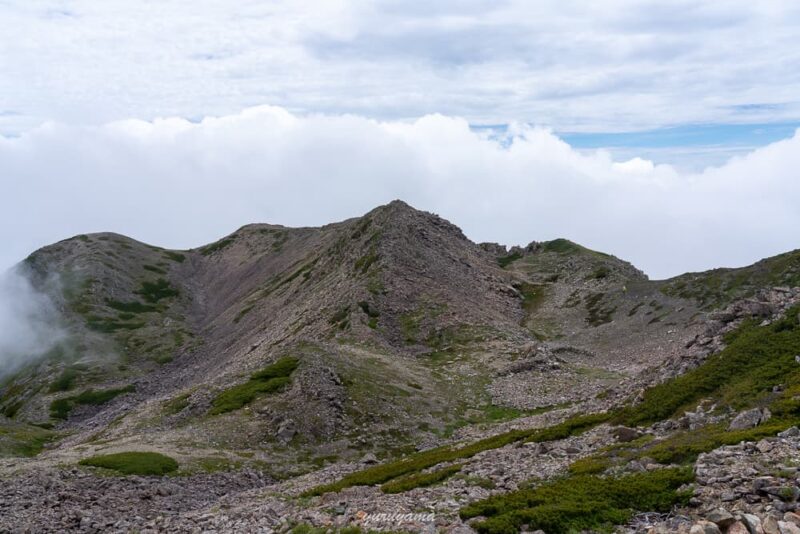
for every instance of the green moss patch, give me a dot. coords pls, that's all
(134, 463)
(271, 379)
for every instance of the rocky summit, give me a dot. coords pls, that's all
(385, 373)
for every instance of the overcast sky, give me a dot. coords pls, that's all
(663, 132)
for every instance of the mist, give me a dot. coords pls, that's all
(28, 322)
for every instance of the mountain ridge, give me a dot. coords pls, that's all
(404, 335)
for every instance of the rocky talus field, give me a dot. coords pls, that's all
(385, 373)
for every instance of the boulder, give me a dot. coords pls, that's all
(369, 458)
(785, 527)
(753, 524)
(624, 434)
(721, 517)
(737, 527)
(749, 419)
(705, 527)
(791, 517)
(771, 526)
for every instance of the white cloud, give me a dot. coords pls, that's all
(614, 65)
(28, 324)
(177, 183)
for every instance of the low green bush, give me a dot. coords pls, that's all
(61, 408)
(153, 292)
(271, 379)
(134, 463)
(215, 247)
(756, 359)
(448, 453)
(581, 502)
(174, 256)
(130, 307)
(420, 480)
(505, 261)
(65, 381)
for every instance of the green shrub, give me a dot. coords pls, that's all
(153, 292)
(17, 439)
(686, 446)
(581, 502)
(177, 405)
(215, 247)
(368, 309)
(420, 480)
(61, 408)
(448, 453)
(562, 246)
(741, 375)
(134, 463)
(244, 311)
(174, 256)
(130, 307)
(108, 325)
(365, 262)
(65, 381)
(505, 261)
(154, 269)
(271, 379)
(591, 465)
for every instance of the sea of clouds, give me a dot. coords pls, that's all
(179, 183)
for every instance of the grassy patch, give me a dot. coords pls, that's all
(598, 313)
(134, 463)
(581, 502)
(341, 318)
(423, 460)
(532, 296)
(217, 246)
(107, 325)
(130, 307)
(65, 381)
(154, 269)
(18, 439)
(686, 446)
(244, 311)
(714, 289)
(174, 256)
(153, 292)
(61, 408)
(367, 260)
(561, 246)
(269, 380)
(409, 326)
(177, 405)
(505, 261)
(742, 375)
(420, 480)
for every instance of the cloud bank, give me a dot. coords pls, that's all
(177, 183)
(605, 66)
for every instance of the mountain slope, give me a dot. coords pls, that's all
(277, 351)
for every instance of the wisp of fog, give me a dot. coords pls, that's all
(28, 322)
